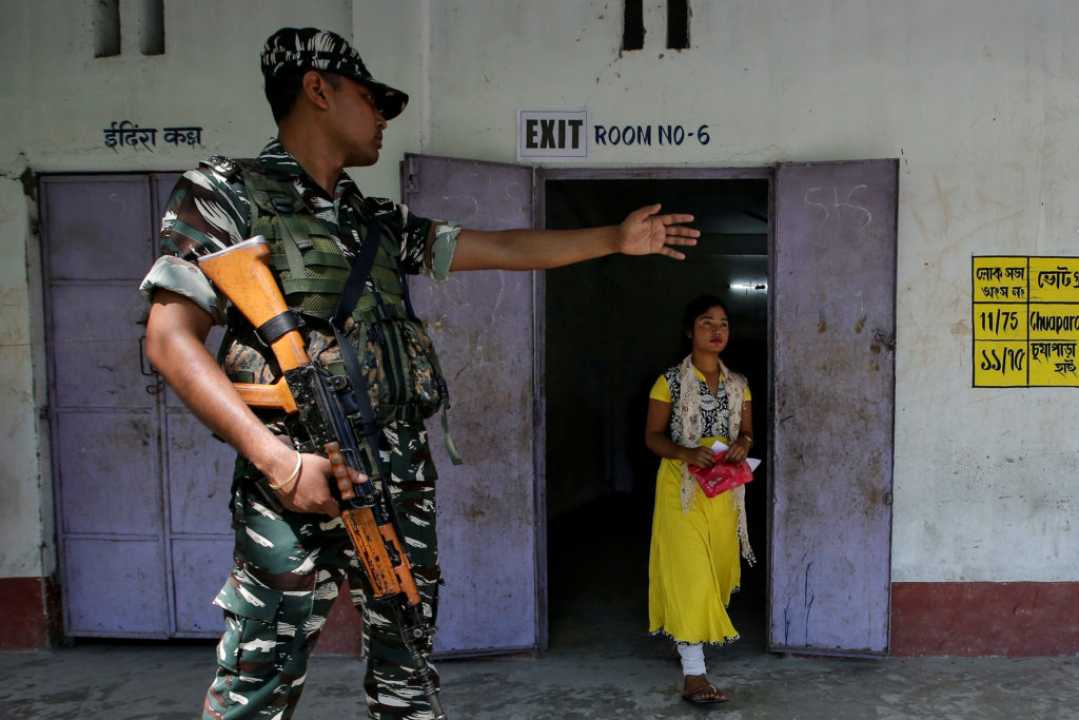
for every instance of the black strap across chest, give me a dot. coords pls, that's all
(354, 288)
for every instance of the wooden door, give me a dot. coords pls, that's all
(834, 280)
(141, 486)
(482, 324)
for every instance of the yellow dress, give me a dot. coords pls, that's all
(694, 565)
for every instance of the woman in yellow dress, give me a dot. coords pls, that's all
(694, 565)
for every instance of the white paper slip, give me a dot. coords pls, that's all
(717, 446)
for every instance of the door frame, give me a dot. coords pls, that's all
(539, 342)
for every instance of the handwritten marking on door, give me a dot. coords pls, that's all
(827, 200)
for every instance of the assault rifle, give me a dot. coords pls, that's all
(324, 402)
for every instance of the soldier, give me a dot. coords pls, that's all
(291, 552)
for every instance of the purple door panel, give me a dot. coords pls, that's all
(98, 228)
(120, 504)
(199, 566)
(96, 346)
(834, 329)
(110, 474)
(97, 236)
(481, 323)
(115, 588)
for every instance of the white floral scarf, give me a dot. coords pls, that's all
(687, 408)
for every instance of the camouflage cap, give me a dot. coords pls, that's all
(314, 49)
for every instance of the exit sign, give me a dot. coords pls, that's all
(552, 134)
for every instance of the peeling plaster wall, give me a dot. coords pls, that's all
(976, 97)
(979, 101)
(21, 501)
(56, 99)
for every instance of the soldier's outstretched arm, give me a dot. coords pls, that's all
(175, 335)
(643, 232)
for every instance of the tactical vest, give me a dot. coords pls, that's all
(397, 358)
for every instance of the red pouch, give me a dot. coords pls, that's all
(722, 476)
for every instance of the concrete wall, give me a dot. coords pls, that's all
(977, 97)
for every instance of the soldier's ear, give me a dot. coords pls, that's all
(314, 89)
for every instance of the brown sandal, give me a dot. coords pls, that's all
(702, 692)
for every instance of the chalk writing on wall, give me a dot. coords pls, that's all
(126, 134)
(1025, 315)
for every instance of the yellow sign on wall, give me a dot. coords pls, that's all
(1025, 317)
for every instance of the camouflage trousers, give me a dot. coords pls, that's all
(287, 571)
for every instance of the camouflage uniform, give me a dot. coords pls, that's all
(288, 566)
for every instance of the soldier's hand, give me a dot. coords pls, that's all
(645, 232)
(311, 493)
(345, 477)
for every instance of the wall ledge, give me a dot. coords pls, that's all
(1016, 619)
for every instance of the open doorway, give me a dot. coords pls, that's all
(828, 405)
(612, 327)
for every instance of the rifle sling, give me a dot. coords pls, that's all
(354, 287)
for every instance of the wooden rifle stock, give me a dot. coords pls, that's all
(242, 273)
(269, 397)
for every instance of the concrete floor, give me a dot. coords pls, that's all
(166, 683)
(601, 665)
